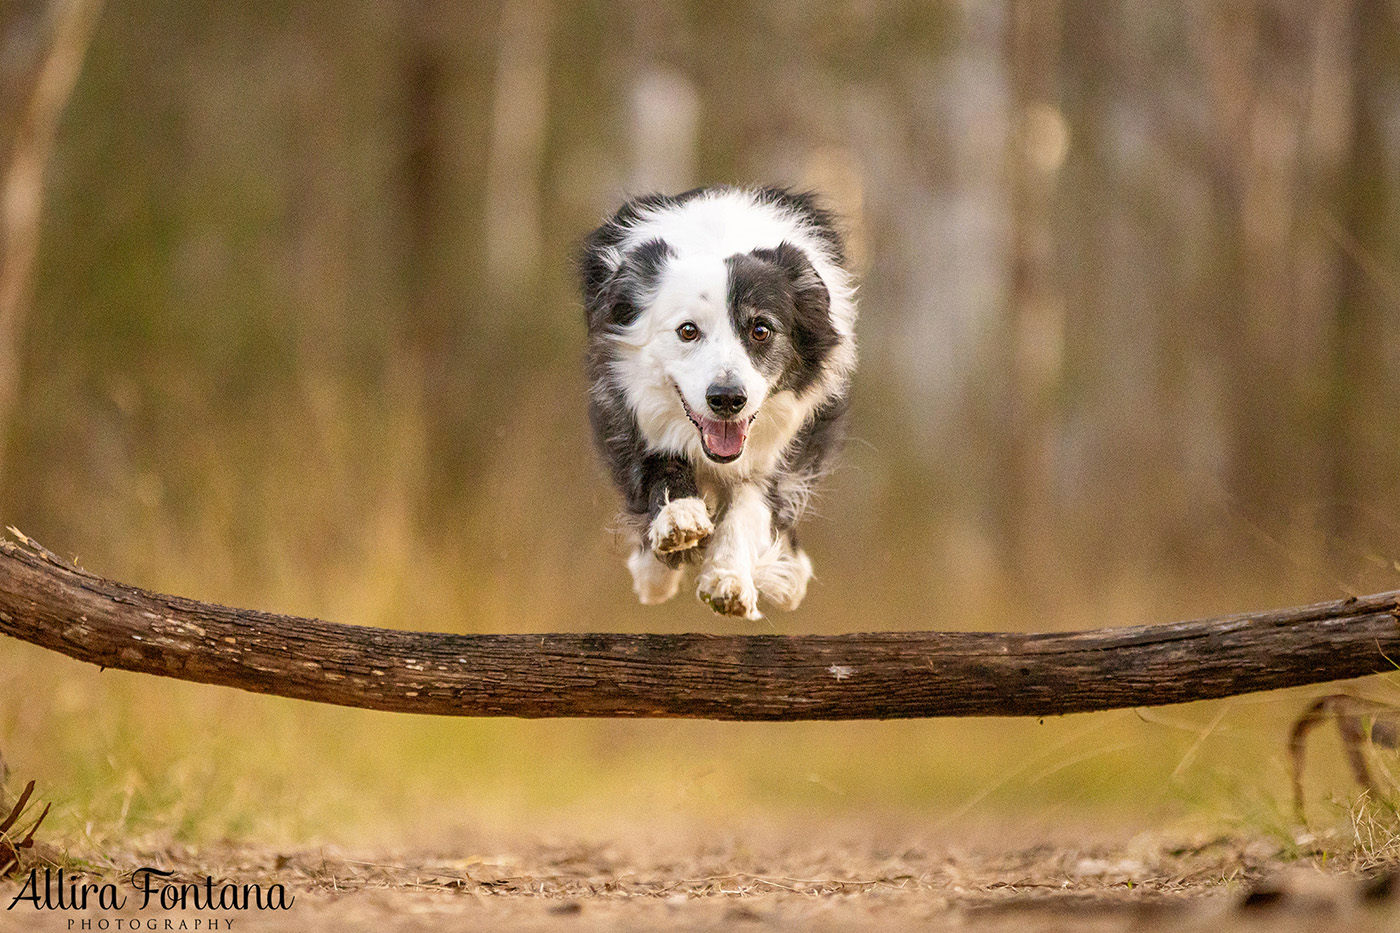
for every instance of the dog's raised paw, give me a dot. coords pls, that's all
(729, 593)
(680, 525)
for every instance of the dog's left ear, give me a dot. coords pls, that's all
(801, 273)
(812, 333)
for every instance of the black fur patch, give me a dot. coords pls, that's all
(804, 462)
(780, 288)
(618, 299)
(646, 480)
(761, 293)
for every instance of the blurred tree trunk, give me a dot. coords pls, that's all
(664, 104)
(1279, 76)
(34, 88)
(1035, 320)
(513, 179)
(450, 338)
(429, 339)
(1359, 410)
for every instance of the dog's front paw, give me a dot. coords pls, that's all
(729, 593)
(680, 525)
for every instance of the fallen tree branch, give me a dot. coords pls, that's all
(882, 675)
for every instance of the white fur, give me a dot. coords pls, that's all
(652, 581)
(723, 222)
(744, 534)
(782, 575)
(653, 364)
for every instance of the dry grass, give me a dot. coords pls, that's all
(1375, 831)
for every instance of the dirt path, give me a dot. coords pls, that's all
(782, 886)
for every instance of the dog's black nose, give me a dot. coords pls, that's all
(726, 400)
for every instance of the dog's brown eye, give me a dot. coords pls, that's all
(688, 331)
(760, 331)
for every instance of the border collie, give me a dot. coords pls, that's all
(721, 342)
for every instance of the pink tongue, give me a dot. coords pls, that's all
(724, 438)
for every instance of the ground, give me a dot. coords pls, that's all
(794, 879)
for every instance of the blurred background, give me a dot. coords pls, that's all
(288, 321)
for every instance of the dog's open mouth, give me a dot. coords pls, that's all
(723, 441)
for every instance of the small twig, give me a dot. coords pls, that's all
(9, 849)
(17, 809)
(1347, 712)
(42, 552)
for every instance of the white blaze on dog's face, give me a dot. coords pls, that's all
(689, 376)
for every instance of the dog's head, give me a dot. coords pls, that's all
(700, 341)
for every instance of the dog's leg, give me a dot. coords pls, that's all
(745, 533)
(782, 573)
(679, 518)
(652, 581)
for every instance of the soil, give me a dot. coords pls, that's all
(789, 882)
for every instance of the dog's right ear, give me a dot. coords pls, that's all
(598, 262)
(616, 285)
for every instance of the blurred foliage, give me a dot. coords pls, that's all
(303, 334)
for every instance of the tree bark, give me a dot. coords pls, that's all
(880, 675)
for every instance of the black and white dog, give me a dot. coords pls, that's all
(721, 342)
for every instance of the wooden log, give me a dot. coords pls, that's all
(880, 675)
